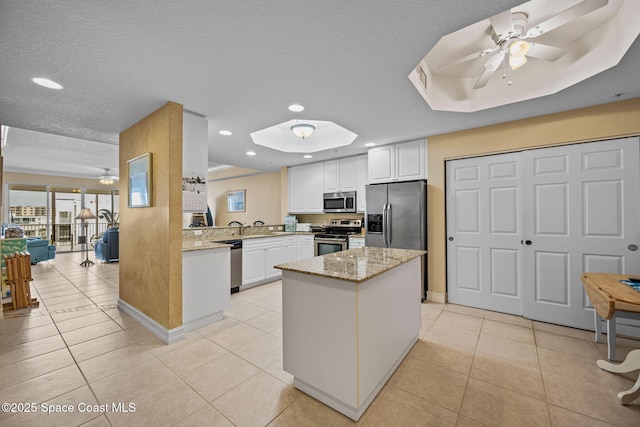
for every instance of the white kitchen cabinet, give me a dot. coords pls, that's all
(274, 255)
(397, 162)
(291, 248)
(297, 189)
(356, 242)
(258, 258)
(340, 175)
(362, 181)
(307, 249)
(331, 170)
(253, 263)
(306, 186)
(314, 191)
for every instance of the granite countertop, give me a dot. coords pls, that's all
(353, 265)
(199, 245)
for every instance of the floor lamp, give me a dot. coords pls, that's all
(86, 214)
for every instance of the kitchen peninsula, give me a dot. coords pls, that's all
(205, 282)
(349, 319)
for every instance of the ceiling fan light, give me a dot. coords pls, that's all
(106, 179)
(303, 130)
(519, 48)
(516, 62)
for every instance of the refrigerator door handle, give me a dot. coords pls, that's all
(384, 224)
(388, 224)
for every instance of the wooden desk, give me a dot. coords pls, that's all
(612, 299)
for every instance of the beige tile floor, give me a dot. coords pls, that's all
(470, 367)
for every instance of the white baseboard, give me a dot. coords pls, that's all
(167, 336)
(435, 297)
(203, 321)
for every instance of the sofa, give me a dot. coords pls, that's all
(40, 249)
(107, 248)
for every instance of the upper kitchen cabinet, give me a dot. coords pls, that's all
(362, 181)
(340, 175)
(306, 186)
(397, 162)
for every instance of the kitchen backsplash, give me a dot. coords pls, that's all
(213, 233)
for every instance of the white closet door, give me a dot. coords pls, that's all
(523, 227)
(581, 213)
(484, 233)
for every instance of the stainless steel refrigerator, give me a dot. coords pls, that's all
(396, 217)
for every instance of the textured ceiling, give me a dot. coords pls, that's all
(240, 64)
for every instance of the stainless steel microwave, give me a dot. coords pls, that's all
(340, 202)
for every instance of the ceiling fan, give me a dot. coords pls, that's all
(510, 33)
(107, 178)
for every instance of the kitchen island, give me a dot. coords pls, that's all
(349, 319)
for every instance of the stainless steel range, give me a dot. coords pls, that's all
(337, 237)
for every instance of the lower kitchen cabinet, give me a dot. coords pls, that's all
(258, 258)
(306, 246)
(356, 242)
(291, 249)
(260, 255)
(274, 255)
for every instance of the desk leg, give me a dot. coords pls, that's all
(598, 321)
(631, 363)
(611, 337)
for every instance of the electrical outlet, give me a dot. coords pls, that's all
(270, 228)
(198, 232)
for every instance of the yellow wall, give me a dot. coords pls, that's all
(151, 238)
(262, 196)
(588, 124)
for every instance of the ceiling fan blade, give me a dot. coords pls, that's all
(546, 52)
(566, 16)
(470, 57)
(502, 24)
(490, 68)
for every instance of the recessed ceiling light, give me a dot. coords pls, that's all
(46, 83)
(308, 156)
(369, 144)
(225, 132)
(251, 153)
(296, 108)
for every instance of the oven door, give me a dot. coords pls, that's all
(328, 246)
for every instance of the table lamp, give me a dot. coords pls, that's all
(85, 214)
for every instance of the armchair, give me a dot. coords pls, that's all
(40, 249)
(107, 249)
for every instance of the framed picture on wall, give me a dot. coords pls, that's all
(140, 182)
(235, 201)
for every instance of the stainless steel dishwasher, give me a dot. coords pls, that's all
(236, 263)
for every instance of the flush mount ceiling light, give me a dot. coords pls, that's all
(281, 137)
(106, 179)
(296, 108)
(369, 144)
(303, 130)
(542, 47)
(307, 156)
(250, 153)
(44, 82)
(225, 132)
